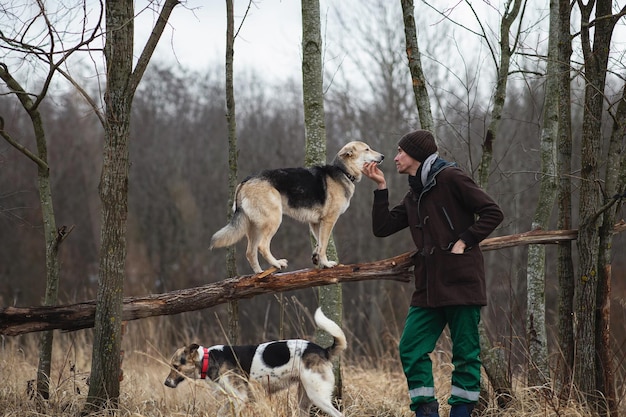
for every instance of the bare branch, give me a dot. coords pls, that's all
(243, 19)
(27, 103)
(42, 164)
(151, 45)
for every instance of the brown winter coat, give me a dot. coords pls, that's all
(451, 206)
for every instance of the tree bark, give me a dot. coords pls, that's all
(330, 297)
(588, 376)
(20, 320)
(51, 235)
(122, 82)
(565, 265)
(415, 67)
(499, 94)
(104, 384)
(536, 336)
(231, 264)
(615, 185)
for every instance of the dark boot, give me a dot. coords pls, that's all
(461, 410)
(430, 409)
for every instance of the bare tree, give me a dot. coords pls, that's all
(512, 10)
(415, 66)
(591, 371)
(48, 48)
(538, 372)
(330, 298)
(565, 267)
(615, 192)
(231, 266)
(122, 82)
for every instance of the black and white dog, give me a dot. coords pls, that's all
(276, 365)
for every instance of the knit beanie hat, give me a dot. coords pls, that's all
(419, 144)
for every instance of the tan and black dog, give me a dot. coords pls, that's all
(275, 365)
(316, 195)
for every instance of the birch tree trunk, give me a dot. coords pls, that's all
(538, 372)
(330, 297)
(231, 264)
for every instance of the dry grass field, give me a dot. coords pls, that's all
(370, 387)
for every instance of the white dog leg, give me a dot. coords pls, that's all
(322, 232)
(319, 389)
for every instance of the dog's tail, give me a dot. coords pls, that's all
(234, 231)
(339, 338)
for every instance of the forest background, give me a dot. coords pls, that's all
(178, 188)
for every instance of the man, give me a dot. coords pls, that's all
(448, 216)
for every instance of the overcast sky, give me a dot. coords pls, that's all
(269, 40)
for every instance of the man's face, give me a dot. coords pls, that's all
(405, 164)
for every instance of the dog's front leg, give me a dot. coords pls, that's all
(322, 232)
(235, 388)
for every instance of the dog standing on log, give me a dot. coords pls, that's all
(275, 365)
(316, 195)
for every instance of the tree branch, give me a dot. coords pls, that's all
(41, 163)
(151, 45)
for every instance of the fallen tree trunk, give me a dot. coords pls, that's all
(19, 320)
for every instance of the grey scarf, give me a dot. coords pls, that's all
(426, 165)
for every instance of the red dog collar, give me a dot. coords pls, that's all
(205, 363)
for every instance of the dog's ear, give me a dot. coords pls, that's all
(191, 352)
(346, 152)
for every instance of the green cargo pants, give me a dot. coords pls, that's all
(422, 329)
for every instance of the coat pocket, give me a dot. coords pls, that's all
(455, 268)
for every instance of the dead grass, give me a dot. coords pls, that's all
(369, 389)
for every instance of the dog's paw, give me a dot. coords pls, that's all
(281, 263)
(324, 263)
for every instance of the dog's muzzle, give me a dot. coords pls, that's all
(173, 383)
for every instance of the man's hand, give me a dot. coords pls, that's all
(371, 171)
(459, 247)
